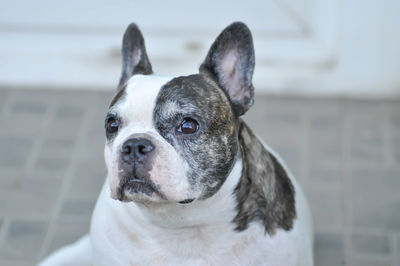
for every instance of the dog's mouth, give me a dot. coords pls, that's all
(135, 186)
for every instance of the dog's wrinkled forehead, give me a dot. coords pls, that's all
(193, 95)
(135, 101)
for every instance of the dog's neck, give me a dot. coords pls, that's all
(218, 209)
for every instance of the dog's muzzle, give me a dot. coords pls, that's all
(136, 162)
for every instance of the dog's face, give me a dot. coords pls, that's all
(175, 139)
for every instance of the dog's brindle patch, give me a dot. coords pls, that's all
(265, 192)
(210, 152)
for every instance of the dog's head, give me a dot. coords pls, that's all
(175, 139)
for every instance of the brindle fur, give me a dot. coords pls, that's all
(265, 192)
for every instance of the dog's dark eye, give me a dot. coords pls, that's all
(188, 126)
(112, 125)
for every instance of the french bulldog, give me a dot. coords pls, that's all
(188, 181)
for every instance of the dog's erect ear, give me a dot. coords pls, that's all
(134, 56)
(231, 61)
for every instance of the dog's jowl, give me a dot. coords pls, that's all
(188, 182)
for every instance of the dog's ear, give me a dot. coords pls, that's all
(134, 56)
(230, 61)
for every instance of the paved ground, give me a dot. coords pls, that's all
(346, 153)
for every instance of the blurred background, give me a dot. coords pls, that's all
(327, 82)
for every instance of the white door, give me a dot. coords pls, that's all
(76, 43)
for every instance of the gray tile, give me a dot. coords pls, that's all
(94, 146)
(394, 142)
(375, 199)
(15, 263)
(58, 147)
(88, 179)
(274, 123)
(65, 130)
(25, 196)
(326, 176)
(362, 106)
(371, 261)
(53, 166)
(328, 249)
(397, 250)
(279, 129)
(37, 96)
(275, 134)
(23, 240)
(14, 151)
(96, 126)
(78, 99)
(396, 154)
(395, 117)
(282, 117)
(23, 125)
(80, 209)
(3, 96)
(4, 92)
(367, 138)
(295, 105)
(324, 141)
(66, 123)
(371, 244)
(66, 112)
(325, 121)
(67, 232)
(29, 107)
(325, 200)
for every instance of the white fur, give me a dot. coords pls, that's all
(165, 233)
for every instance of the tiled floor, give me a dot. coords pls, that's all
(346, 154)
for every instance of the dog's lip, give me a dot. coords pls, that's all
(133, 182)
(186, 201)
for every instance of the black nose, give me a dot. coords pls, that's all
(136, 149)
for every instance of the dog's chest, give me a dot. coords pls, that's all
(131, 238)
(212, 246)
(197, 245)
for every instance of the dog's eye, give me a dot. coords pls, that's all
(188, 126)
(112, 125)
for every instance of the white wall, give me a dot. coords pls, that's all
(330, 47)
(368, 49)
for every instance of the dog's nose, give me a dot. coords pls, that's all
(136, 149)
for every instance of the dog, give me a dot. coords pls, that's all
(188, 182)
